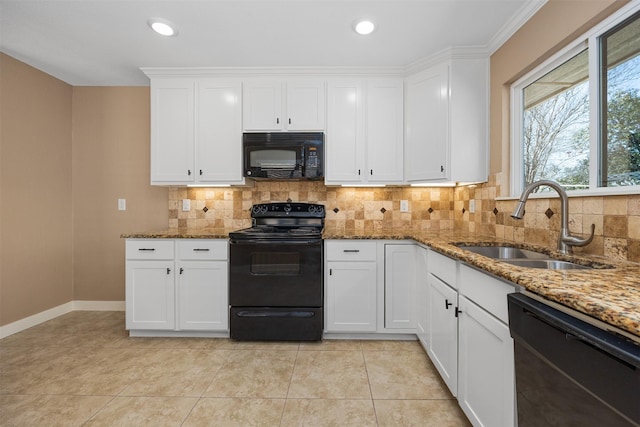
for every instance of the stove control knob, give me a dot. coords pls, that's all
(259, 209)
(287, 208)
(316, 209)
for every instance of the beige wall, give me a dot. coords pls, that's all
(110, 161)
(35, 184)
(555, 25)
(67, 155)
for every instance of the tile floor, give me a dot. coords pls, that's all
(82, 369)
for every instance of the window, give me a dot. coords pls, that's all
(577, 117)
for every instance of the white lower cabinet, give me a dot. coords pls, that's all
(486, 370)
(351, 281)
(422, 296)
(469, 341)
(370, 286)
(442, 327)
(485, 367)
(400, 286)
(351, 297)
(150, 295)
(202, 295)
(176, 284)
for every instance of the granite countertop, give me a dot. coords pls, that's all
(181, 233)
(611, 295)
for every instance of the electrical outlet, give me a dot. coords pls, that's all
(186, 205)
(122, 204)
(472, 206)
(404, 206)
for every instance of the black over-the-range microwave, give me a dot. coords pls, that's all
(284, 155)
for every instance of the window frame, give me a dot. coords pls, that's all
(588, 40)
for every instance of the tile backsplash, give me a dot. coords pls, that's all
(349, 209)
(371, 210)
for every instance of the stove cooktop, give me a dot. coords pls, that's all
(284, 221)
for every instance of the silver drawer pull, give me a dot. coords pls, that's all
(147, 249)
(352, 250)
(201, 250)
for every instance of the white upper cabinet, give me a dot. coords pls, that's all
(344, 147)
(305, 105)
(172, 118)
(277, 105)
(446, 122)
(385, 131)
(196, 131)
(426, 132)
(364, 132)
(218, 139)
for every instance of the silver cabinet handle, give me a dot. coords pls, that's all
(201, 250)
(352, 250)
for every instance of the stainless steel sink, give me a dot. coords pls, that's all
(547, 264)
(503, 252)
(523, 257)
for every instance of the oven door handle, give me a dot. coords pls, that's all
(313, 242)
(248, 313)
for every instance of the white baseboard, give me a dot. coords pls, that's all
(52, 313)
(98, 305)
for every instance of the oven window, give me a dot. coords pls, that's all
(276, 263)
(273, 159)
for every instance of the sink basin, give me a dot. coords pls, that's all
(503, 252)
(547, 264)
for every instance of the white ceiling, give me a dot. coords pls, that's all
(106, 42)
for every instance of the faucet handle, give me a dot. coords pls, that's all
(576, 241)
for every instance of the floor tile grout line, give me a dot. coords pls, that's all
(366, 369)
(99, 410)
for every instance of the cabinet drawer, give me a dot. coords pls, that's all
(443, 267)
(149, 249)
(487, 291)
(350, 250)
(202, 249)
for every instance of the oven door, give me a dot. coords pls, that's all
(275, 273)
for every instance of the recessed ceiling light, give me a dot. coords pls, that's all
(364, 27)
(162, 27)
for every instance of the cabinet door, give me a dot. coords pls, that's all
(262, 105)
(385, 129)
(172, 119)
(218, 137)
(422, 300)
(150, 298)
(351, 297)
(305, 105)
(427, 125)
(344, 148)
(400, 287)
(443, 331)
(202, 295)
(486, 368)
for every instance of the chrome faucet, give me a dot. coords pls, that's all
(565, 239)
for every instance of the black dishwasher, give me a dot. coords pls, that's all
(569, 372)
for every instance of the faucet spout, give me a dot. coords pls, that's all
(565, 239)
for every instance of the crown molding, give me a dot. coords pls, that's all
(529, 9)
(273, 72)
